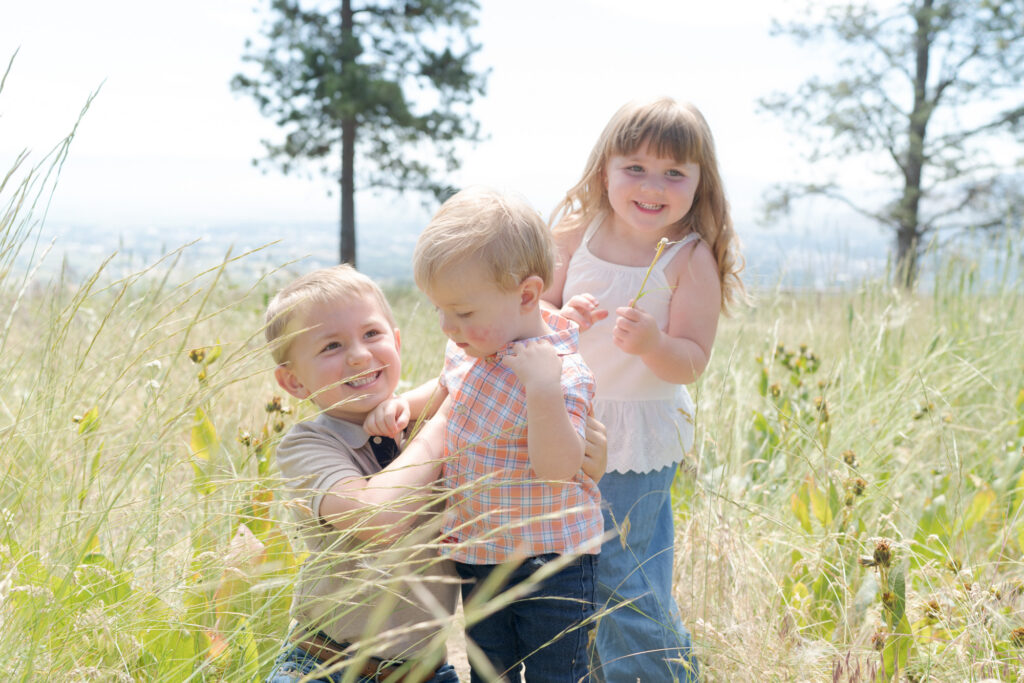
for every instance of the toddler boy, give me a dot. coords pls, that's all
(519, 397)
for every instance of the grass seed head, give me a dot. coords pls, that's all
(883, 554)
(850, 458)
(1017, 637)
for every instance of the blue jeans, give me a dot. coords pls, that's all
(547, 631)
(645, 639)
(293, 663)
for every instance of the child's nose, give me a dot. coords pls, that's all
(652, 184)
(358, 354)
(446, 324)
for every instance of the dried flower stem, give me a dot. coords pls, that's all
(662, 243)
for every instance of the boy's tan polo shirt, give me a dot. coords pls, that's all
(350, 589)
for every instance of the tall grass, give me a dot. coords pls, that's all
(853, 503)
(832, 426)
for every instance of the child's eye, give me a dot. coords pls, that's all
(330, 346)
(675, 173)
(635, 168)
(464, 315)
(370, 334)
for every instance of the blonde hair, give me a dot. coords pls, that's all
(500, 231)
(326, 284)
(672, 130)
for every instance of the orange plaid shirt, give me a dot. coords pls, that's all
(497, 509)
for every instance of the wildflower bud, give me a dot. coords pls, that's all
(859, 485)
(888, 598)
(883, 554)
(775, 390)
(850, 458)
(245, 438)
(878, 640)
(1017, 637)
(866, 561)
(275, 405)
(953, 565)
(932, 610)
(279, 426)
(197, 355)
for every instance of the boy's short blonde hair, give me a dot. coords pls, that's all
(502, 232)
(325, 284)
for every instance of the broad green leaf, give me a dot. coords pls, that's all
(1018, 495)
(819, 504)
(89, 422)
(979, 507)
(249, 664)
(835, 505)
(896, 613)
(203, 441)
(213, 353)
(799, 504)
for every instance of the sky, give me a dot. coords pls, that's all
(167, 146)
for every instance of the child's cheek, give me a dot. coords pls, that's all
(484, 335)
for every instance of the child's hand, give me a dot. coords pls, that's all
(595, 455)
(582, 309)
(389, 418)
(534, 363)
(635, 332)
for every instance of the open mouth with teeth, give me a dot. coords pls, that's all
(648, 207)
(368, 377)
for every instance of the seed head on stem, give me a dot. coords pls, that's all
(662, 243)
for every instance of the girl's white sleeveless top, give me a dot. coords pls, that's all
(649, 421)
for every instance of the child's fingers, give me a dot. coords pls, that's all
(629, 313)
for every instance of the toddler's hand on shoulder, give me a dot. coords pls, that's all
(389, 418)
(636, 332)
(583, 310)
(534, 363)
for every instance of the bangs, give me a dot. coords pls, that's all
(672, 132)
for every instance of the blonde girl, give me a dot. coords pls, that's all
(651, 190)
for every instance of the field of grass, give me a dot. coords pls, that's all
(854, 502)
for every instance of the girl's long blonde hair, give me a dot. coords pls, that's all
(676, 131)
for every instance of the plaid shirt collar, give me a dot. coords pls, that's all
(564, 336)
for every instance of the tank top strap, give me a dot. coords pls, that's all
(666, 256)
(592, 228)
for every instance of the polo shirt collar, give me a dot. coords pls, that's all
(352, 434)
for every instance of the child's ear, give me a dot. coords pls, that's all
(287, 380)
(530, 290)
(398, 340)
